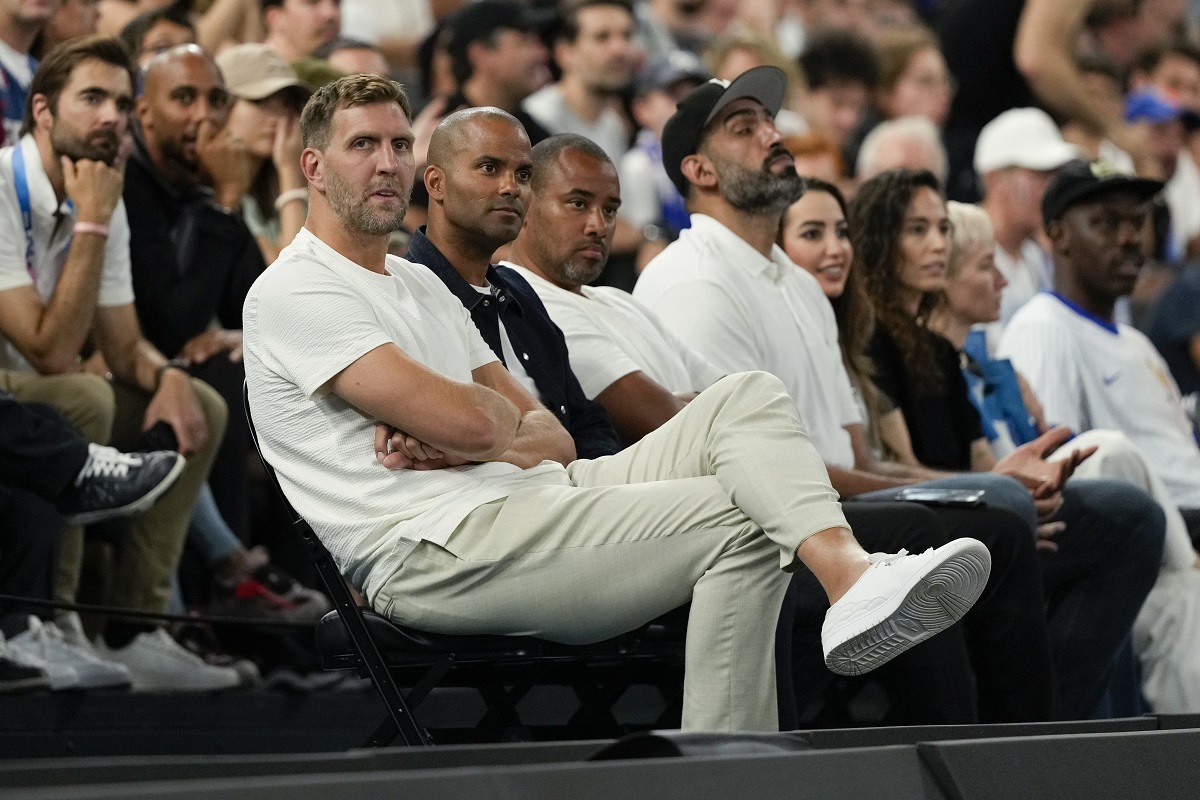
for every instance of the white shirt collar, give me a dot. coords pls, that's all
(737, 251)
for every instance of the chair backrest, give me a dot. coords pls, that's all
(344, 603)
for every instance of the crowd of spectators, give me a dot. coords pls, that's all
(1000, 234)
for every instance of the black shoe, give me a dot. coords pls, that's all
(115, 484)
(18, 677)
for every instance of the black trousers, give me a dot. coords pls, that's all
(993, 666)
(228, 478)
(40, 455)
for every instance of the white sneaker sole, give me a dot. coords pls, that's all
(137, 506)
(932, 600)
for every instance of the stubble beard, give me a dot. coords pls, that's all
(353, 209)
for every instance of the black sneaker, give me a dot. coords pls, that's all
(18, 677)
(115, 484)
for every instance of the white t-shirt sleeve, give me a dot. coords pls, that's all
(13, 273)
(312, 325)
(702, 315)
(1044, 353)
(597, 361)
(116, 280)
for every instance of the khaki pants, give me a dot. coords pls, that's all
(709, 508)
(110, 413)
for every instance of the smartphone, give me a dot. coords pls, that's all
(933, 496)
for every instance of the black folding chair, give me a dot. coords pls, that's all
(502, 668)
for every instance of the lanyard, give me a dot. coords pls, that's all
(22, 186)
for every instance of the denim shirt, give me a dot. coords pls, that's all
(536, 340)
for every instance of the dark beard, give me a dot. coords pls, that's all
(761, 192)
(103, 145)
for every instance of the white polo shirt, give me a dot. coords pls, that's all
(742, 311)
(51, 233)
(1089, 374)
(610, 335)
(309, 316)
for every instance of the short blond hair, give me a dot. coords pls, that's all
(316, 121)
(971, 228)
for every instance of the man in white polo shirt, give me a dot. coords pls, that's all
(474, 517)
(1087, 370)
(729, 292)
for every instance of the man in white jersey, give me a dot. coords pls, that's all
(466, 520)
(1087, 370)
(727, 290)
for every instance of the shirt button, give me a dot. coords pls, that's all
(502, 298)
(487, 302)
(525, 356)
(562, 409)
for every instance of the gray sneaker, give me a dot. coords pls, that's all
(158, 664)
(115, 484)
(46, 642)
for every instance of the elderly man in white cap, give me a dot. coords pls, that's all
(1016, 155)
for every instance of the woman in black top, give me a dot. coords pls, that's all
(901, 237)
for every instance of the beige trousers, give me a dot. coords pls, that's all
(709, 508)
(112, 414)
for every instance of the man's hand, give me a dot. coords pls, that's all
(227, 163)
(175, 403)
(285, 154)
(423, 124)
(94, 187)
(204, 346)
(1028, 463)
(395, 449)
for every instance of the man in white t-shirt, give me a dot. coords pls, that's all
(64, 277)
(727, 290)
(1088, 371)
(624, 357)
(466, 519)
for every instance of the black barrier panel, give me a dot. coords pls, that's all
(1175, 722)
(883, 773)
(137, 769)
(880, 737)
(1162, 765)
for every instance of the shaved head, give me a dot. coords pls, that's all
(451, 135)
(164, 62)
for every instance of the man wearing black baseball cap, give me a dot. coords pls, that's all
(1087, 370)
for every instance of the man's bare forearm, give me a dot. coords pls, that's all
(68, 316)
(539, 437)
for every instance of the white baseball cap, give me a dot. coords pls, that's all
(1022, 137)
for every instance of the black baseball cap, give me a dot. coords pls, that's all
(477, 21)
(1080, 180)
(685, 129)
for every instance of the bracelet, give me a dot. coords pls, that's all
(94, 228)
(290, 196)
(174, 363)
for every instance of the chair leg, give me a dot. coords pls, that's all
(384, 734)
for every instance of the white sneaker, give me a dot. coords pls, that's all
(157, 663)
(902, 600)
(29, 648)
(65, 635)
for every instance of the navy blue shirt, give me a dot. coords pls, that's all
(534, 337)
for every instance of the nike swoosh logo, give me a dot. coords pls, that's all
(1111, 379)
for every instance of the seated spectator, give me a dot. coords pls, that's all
(421, 538)
(296, 28)
(158, 30)
(817, 155)
(651, 203)
(914, 80)
(472, 214)
(1174, 328)
(668, 26)
(192, 260)
(265, 117)
(65, 282)
(842, 70)
(74, 18)
(393, 30)
(1105, 84)
(593, 47)
(1166, 634)
(905, 143)
(1089, 372)
(1074, 521)
(352, 57)
(1015, 158)
(19, 30)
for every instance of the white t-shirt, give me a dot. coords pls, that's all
(514, 365)
(610, 335)
(1088, 374)
(52, 233)
(742, 312)
(309, 316)
(1027, 275)
(372, 20)
(549, 108)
